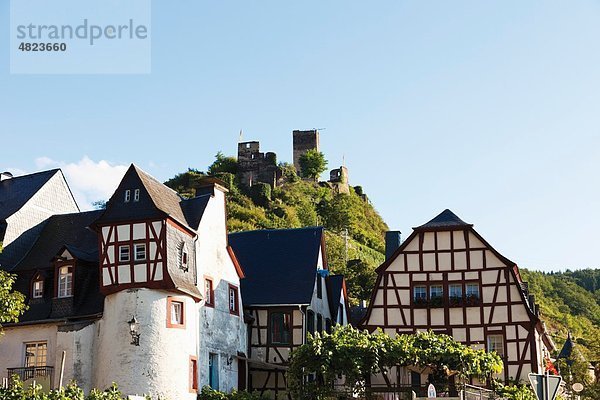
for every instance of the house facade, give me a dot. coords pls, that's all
(287, 293)
(445, 277)
(144, 293)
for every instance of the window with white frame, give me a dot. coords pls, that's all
(436, 291)
(420, 293)
(183, 256)
(127, 196)
(38, 288)
(140, 251)
(65, 281)
(472, 290)
(209, 292)
(35, 354)
(455, 290)
(136, 195)
(496, 343)
(124, 255)
(176, 316)
(233, 300)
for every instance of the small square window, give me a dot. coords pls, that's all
(65, 281)
(420, 293)
(233, 300)
(175, 313)
(38, 289)
(140, 251)
(136, 195)
(455, 291)
(127, 196)
(472, 290)
(496, 343)
(124, 253)
(436, 291)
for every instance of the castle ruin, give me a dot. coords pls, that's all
(256, 167)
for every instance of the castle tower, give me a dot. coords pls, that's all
(304, 141)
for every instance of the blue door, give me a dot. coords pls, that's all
(213, 371)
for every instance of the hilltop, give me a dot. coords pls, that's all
(354, 230)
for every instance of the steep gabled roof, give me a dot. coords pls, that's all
(280, 265)
(63, 231)
(445, 219)
(17, 191)
(335, 284)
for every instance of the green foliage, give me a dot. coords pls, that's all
(208, 393)
(12, 303)
(187, 182)
(312, 164)
(289, 172)
(223, 164)
(17, 391)
(514, 392)
(356, 354)
(260, 193)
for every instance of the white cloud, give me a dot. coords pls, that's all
(89, 180)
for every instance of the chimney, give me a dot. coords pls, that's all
(4, 176)
(392, 242)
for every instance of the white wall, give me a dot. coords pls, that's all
(159, 366)
(220, 332)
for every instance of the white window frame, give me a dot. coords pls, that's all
(177, 312)
(136, 195)
(127, 196)
(496, 343)
(470, 293)
(65, 281)
(137, 246)
(184, 258)
(38, 294)
(121, 258)
(453, 294)
(39, 354)
(424, 291)
(439, 294)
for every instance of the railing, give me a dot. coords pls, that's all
(41, 375)
(398, 392)
(478, 393)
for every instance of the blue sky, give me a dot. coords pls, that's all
(487, 108)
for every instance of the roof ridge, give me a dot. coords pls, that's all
(147, 175)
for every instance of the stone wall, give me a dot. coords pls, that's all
(256, 167)
(302, 142)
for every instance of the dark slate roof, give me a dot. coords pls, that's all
(334, 292)
(17, 191)
(567, 349)
(70, 232)
(156, 201)
(446, 219)
(280, 265)
(357, 314)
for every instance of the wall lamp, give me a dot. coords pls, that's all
(134, 327)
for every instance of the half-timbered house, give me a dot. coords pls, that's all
(445, 277)
(287, 293)
(144, 293)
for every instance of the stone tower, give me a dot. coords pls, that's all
(304, 141)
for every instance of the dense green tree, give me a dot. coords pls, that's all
(312, 164)
(223, 163)
(12, 303)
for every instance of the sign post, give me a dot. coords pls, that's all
(545, 386)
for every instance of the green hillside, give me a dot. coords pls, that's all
(354, 230)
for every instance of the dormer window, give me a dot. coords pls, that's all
(65, 281)
(127, 196)
(136, 195)
(183, 257)
(38, 288)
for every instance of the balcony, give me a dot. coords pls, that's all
(39, 375)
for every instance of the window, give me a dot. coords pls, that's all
(136, 195)
(436, 291)
(127, 196)
(183, 256)
(472, 290)
(209, 295)
(420, 293)
(455, 291)
(140, 251)
(319, 286)
(340, 318)
(193, 374)
(327, 325)
(124, 253)
(319, 323)
(280, 327)
(310, 322)
(65, 281)
(233, 300)
(38, 288)
(35, 354)
(175, 313)
(496, 343)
